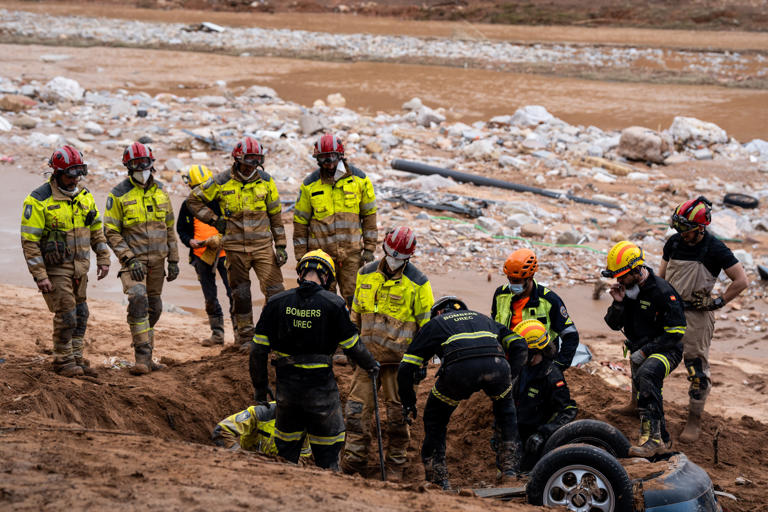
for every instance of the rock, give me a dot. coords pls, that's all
(373, 147)
(16, 103)
(744, 257)
(702, 154)
(336, 100)
(5, 125)
(120, 108)
(318, 104)
(758, 146)
(25, 122)
(618, 236)
(483, 149)
(638, 143)
(595, 150)
(727, 223)
(260, 91)
(114, 132)
(426, 116)
(517, 220)
(602, 176)
(93, 128)
(537, 230)
(491, 225)
(675, 158)
(531, 115)
(28, 90)
(638, 176)
(511, 161)
(693, 132)
(49, 58)
(568, 238)
(198, 155)
(40, 139)
(174, 164)
(146, 139)
(62, 89)
(213, 101)
(309, 124)
(431, 183)
(412, 104)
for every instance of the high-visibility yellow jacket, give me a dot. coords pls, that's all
(252, 429)
(252, 210)
(139, 223)
(389, 311)
(334, 216)
(46, 210)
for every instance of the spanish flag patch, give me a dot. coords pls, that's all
(560, 383)
(672, 297)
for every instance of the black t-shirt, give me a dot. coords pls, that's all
(710, 251)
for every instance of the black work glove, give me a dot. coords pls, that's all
(420, 374)
(221, 225)
(367, 256)
(374, 372)
(282, 255)
(137, 269)
(409, 410)
(534, 444)
(173, 271)
(53, 253)
(263, 395)
(702, 301)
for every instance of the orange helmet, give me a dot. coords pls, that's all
(521, 264)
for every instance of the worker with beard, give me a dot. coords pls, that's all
(60, 224)
(650, 314)
(139, 226)
(251, 222)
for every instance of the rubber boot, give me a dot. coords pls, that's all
(692, 429)
(152, 364)
(650, 443)
(217, 331)
(84, 364)
(143, 354)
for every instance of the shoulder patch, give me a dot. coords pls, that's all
(563, 311)
(357, 172)
(559, 383)
(312, 177)
(122, 188)
(414, 274)
(28, 211)
(369, 267)
(672, 297)
(42, 192)
(110, 202)
(243, 416)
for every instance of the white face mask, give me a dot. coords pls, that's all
(394, 263)
(142, 176)
(517, 289)
(341, 170)
(632, 292)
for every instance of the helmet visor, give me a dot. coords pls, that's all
(681, 224)
(252, 159)
(75, 171)
(139, 164)
(327, 158)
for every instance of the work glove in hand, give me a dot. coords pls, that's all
(173, 271)
(702, 301)
(637, 357)
(282, 255)
(409, 413)
(534, 443)
(374, 372)
(137, 269)
(221, 225)
(261, 395)
(53, 253)
(367, 256)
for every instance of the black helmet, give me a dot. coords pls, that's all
(447, 302)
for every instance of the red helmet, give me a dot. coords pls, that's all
(248, 150)
(692, 214)
(400, 243)
(328, 143)
(69, 161)
(137, 156)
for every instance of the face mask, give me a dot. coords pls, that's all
(632, 292)
(517, 289)
(70, 193)
(341, 170)
(394, 263)
(142, 176)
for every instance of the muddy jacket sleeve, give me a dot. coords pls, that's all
(98, 240)
(561, 323)
(301, 216)
(368, 215)
(173, 246)
(32, 227)
(350, 342)
(275, 212)
(113, 229)
(615, 316)
(672, 319)
(560, 400)
(200, 196)
(515, 347)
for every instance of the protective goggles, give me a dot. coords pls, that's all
(681, 224)
(75, 171)
(327, 158)
(139, 164)
(252, 159)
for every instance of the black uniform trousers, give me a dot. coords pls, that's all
(207, 277)
(649, 378)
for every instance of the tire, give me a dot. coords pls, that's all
(593, 432)
(741, 200)
(580, 477)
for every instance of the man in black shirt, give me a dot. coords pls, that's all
(473, 349)
(303, 327)
(692, 260)
(650, 314)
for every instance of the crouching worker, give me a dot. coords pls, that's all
(473, 349)
(303, 327)
(251, 430)
(542, 398)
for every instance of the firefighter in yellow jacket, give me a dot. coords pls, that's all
(138, 223)
(336, 212)
(392, 301)
(250, 221)
(59, 225)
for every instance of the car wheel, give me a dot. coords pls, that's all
(741, 200)
(594, 432)
(580, 477)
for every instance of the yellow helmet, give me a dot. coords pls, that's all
(623, 257)
(534, 333)
(197, 174)
(317, 260)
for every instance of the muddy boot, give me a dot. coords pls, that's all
(650, 443)
(64, 360)
(217, 331)
(436, 471)
(152, 364)
(508, 463)
(70, 370)
(351, 466)
(692, 429)
(143, 354)
(84, 364)
(395, 472)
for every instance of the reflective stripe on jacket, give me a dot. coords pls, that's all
(335, 216)
(389, 311)
(48, 209)
(252, 210)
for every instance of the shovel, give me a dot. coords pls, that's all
(378, 428)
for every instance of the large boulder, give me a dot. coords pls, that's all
(638, 143)
(689, 131)
(62, 89)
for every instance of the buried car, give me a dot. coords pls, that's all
(585, 469)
